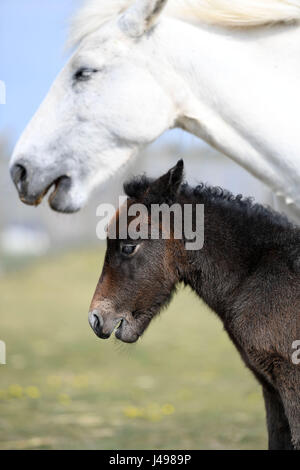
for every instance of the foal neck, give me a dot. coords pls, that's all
(237, 234)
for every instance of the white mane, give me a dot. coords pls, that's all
(227, 13)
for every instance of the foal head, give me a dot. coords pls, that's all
(139, 275)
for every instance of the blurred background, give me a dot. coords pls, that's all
(183, 386)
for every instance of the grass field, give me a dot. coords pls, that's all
(183, 386)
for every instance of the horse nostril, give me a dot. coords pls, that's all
(18, 174)
(96, 322)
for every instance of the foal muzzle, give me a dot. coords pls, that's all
(104, 325)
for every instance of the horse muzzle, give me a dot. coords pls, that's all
(32, 187)
(104, 325)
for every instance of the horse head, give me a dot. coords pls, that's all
(105, 104)
(139, 274)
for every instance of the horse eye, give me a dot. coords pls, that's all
(84, 74)
(128, 249)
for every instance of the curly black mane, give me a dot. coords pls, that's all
(139, 188)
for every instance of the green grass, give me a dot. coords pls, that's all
(183, 386)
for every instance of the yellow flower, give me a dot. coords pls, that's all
(133, 412)
(153, 412)
(15, 391)
(167, 409)
(32, 392)
(64, 399)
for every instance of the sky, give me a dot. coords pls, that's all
(32, 38)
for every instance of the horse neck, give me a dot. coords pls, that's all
(234, 240)
(210, 74)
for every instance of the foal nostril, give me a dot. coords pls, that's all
(96, 322)
(19, 173)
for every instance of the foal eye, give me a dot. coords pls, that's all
(128, 249)
(84, 74)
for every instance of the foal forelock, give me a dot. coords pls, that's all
(240, 13)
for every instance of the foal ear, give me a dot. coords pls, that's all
(139, 18)
(169, 183)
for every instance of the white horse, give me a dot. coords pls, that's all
(227, 71)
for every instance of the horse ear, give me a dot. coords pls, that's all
(139, 18)
(169, 183)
